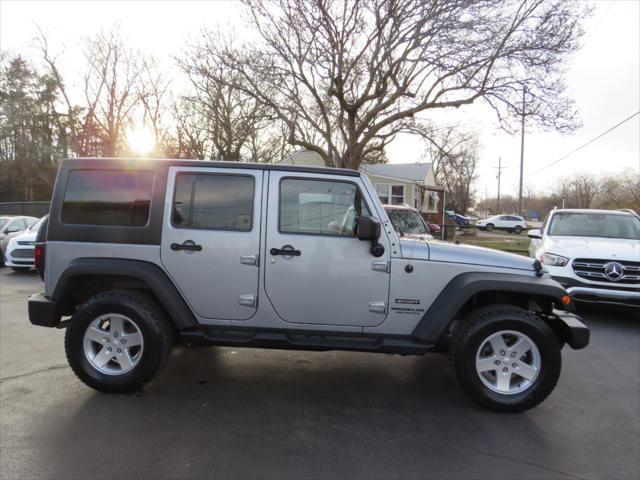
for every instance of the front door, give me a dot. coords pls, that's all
(211, 239)
(329, 277)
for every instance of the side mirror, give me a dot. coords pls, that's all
(536, 233)
(369, 229)
(12, 230)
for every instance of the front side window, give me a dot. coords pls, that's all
(108, 197)
(319, 207)
(213, 202)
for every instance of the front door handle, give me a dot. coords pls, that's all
(188, 245)
(286, 251)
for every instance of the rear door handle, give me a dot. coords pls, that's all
(286, 251)
(188, 245)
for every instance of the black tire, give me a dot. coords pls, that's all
(476, 328)
(156, 331)
(20, 269)
(490, 227)
(518, 230)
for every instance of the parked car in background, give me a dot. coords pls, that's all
(407, 222)
(434, 228)
(594, 254)
(19, 254)
(459, 220)
(10, 226)
(510, 223)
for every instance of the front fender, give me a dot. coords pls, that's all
(463, 287)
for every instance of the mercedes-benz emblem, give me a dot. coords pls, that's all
(614, 271)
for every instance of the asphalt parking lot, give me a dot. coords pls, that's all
(223, 413)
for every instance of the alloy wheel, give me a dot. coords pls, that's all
(113, 344)
(508, 362)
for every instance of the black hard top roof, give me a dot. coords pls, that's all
(94, 162)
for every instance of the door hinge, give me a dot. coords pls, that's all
(247, 300)
(250, 260)
(378, 307)
(381, 266)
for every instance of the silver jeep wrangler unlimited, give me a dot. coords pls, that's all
(139, 255)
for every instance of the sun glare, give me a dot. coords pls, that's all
(141, 140)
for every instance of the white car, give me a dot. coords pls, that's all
(20, 254)
(594, 254)
(10, 226)
(510, 223)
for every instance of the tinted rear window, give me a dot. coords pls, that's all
(108, 197)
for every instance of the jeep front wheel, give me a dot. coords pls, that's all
(505, 358)
(118, 341)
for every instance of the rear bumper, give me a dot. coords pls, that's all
(575, 333)
(42, 311)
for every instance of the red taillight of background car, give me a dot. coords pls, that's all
(39, 258)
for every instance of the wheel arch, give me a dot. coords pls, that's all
(84, 277)
(472, 290)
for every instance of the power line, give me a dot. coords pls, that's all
(585, 144)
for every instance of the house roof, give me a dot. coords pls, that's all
(413, 172)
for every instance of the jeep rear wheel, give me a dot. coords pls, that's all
(118, 341)
(505, 358)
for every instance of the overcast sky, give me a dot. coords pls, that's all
(604, 78)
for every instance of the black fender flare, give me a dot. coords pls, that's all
(461, 288)
(152, 275)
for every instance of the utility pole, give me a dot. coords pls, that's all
(524, 91)
(499, 177)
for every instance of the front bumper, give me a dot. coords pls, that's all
(571, 329)
(624, 295)
(19, 261)
(42, 311)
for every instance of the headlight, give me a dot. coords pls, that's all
(10, 243)
(553, 260)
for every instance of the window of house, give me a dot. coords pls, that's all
(320, 207)
(390, 194)
(108, 197)
(432, 202)
(213, 202)
(417, 197)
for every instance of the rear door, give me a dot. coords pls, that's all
(331, 277)
(211, 239)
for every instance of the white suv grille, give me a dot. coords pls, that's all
(611, 271)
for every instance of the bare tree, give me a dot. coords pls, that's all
(619, 191)
(110, 87)
(579, 190)
(346, 77)
(154, 94)
(454, 155)
(238, 125)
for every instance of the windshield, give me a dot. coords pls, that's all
(407, 221)
(36, 226)
(603, 225)
(3, 221)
